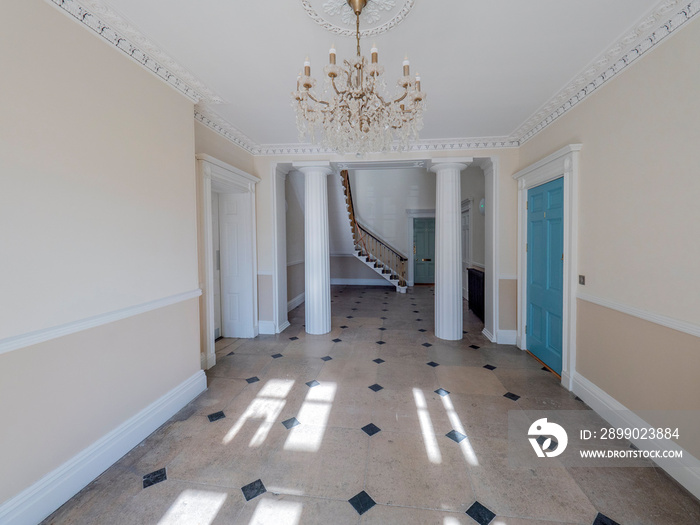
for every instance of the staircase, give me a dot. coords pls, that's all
(371, 250)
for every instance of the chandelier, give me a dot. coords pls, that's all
(354, 113)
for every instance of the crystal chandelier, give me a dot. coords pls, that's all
(354, 114)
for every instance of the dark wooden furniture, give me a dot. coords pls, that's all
(476, 292)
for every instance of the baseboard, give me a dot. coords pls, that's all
(488, 335)
(207, 360)
(685, 470)
(291, 305)
(284, 326)
(267, 327)
(46, 495)
(360, 282)
(506, 337)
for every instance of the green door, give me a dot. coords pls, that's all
(424, 251)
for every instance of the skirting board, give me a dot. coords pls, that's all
(266, 327)
(291, 305)
(685, 470)
(488, 335)
(46, 495)
(506, 337)
(360, 282)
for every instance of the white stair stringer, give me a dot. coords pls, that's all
(366, 260)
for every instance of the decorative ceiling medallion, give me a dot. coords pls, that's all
(378, 16)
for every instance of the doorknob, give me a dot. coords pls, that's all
(427, 260)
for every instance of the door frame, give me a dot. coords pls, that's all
(214, 175)
(467, 208)
(414, 214)
(563, 163)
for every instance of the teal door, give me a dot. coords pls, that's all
(545, 262)
(424, 251)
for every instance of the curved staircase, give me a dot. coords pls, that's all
(371, 250)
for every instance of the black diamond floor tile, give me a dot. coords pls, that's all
(230, 353)
(602, 519)
(416, 312)
(545, 369)
(427, 345)
(379, 360)
(354, 309)
(433, 364)
(343, 327)
(376, 387)
(349, 317)
(371, 429)
(216, 416)
(489, 367)
(442, 392)
(419, 319)
(277, 356)
(380, 342)
(252, 380)
(480, 514)
(474, 347)
(455, 436)
(336, 340)
(383, 318)
(291, 422)
(253, 490)
(382, 328)
(362, 502)
(422, 330)
(326, 358)
(511, 395)
(154, 477)
(312, 384)
(293, 338)
(384, 310)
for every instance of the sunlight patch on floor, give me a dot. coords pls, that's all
(426, 427)
(313, 416)
(271, 512)
(465, 445)
(194, 506)
(266, 406)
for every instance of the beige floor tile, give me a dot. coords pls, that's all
(389, 515)
(469, 380)
(240, 366)
(281, 509)
(407, 469)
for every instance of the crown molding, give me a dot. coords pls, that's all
(648, 32)
(226, 130)
(114, 29)
(663, 20)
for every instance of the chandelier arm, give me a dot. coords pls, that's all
(336, 87)
(317, 101)
(400, 99)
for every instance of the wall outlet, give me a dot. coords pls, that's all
(582, 279)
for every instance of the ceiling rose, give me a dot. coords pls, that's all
(377, 17)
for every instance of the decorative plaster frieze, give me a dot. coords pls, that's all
(372, 13)
(650, 31)
(226, 130)
(128, 39)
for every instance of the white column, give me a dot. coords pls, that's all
(448, 253)
(317, 271)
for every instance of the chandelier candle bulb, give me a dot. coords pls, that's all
(375, 54)
(332, 55)
(406, 67)
(417, 82)
(307, 67)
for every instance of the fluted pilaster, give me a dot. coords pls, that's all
(448, 253)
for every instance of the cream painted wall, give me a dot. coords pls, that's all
(295, 280)
(97, 178)
(349, 267)
(97, 202)
(472, 187)
(638, 185)
(211, 143)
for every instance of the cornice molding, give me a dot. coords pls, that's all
(114, 29)
(226, 130)
(647, 33)
(659, 23)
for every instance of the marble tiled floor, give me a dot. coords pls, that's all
(409, 468)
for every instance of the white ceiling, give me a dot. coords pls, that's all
(488, 66)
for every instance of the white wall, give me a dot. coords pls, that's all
(381, 198)
(472, 187)
(97, 206)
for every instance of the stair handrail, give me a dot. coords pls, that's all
(370, 243)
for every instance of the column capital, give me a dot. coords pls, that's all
(323, 167)
(446, 163)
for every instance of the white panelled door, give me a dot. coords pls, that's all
(235, 222)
